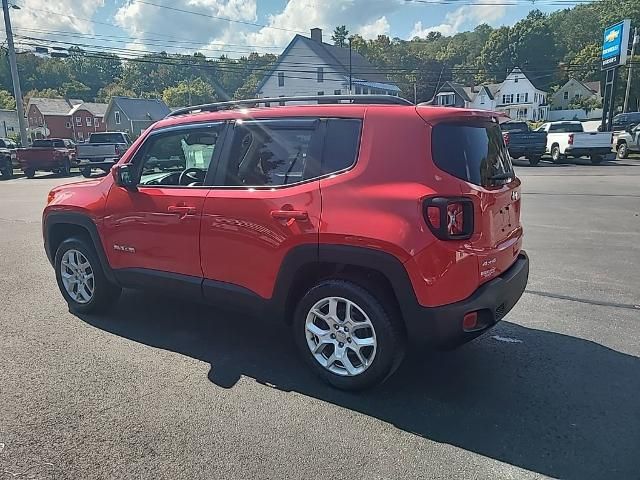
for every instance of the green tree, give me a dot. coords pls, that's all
(115, 89)
(7, 102)
(340, 35)
(75, 89)
(186, 93)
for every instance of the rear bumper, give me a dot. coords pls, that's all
(586, 152)
(442, 326)
(533, 151)
(97, 163)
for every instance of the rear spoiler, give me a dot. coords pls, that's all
(435, 114)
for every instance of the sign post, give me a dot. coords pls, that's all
(615, 46)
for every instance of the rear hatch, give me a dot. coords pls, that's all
(471, 148)
(592, 139)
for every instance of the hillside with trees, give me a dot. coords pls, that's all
(549, 47)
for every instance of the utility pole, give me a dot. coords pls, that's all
(350, 69)
(17, 91)
(630, 72)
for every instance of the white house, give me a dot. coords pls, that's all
(517, 96)
(521, 99)
(8, 123)
(308, 66)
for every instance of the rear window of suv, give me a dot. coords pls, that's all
(472, 151)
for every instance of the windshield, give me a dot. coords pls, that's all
(514, 127)
(566, 128)
(106, 138)
(472, 151)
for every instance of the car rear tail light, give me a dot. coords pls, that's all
(506, 138)
(571, 139)
(449, 218)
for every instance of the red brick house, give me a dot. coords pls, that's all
(64, 118)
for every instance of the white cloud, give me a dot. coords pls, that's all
(463, 16)
(300, 16)
(194, 30)
(67, 17)
(372, 30)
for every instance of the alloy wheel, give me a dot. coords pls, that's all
(77, 276)
(340, 336)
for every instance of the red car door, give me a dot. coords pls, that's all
(154, 230)
(265, 204)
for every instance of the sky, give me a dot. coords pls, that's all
(237, 27)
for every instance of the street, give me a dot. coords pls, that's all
(165, 389)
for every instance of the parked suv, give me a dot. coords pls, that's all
(365, 227)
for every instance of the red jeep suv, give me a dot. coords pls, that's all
(365, 223)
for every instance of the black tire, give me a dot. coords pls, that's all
(596, 159)
(30, 172)
(7, 171)
(556, 156)
(65, 168)
(386, 323)
(533, 161)
(105, 293)
(86, 172)
(623, 151)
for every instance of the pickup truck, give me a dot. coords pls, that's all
(568, 139)
(50, 154)
(8, 159)
(522, 142)
(102, 151)
(627, 141)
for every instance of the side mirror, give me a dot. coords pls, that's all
(123, 175)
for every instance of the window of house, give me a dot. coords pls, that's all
(321, 93)
(526, 96)
(358, 90)
(565, 95)
(116, 116)
(281, 79)
(483, 97)
(96, 122)
(179, 158)
(281, 103)
(337, 92)
(365, 90)
(517, 98)
(320, 74)
(535, 97)
(88, 121)
(67, 124)
(506, 99)
(78, 121)
(516, 80)
(271, 153)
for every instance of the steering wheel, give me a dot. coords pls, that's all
(191, 175)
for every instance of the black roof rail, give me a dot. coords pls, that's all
(321, 99)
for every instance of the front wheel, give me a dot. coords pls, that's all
(7, 171)
(86, 172)
(30, 172)
(65, 168)
(596, 159)
(347, 336)
(623, 151)
(81, 279)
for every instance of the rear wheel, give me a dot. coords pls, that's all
(596, 159)
(30, 172)
(81, 279)
(7, 170)
(65, 168)
(347, 336)
(556, 156)
(623, 150)
(86, 172)
(533, 161)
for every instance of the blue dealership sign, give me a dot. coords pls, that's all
(615, 44)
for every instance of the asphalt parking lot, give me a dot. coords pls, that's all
(163, 389)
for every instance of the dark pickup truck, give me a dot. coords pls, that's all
(56, 155)
(522, 142)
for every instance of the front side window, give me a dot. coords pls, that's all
(270, 153)
(178, 158)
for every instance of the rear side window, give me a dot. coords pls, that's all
(341, 144)
(106, 138)
(472, 151)
(271, 152)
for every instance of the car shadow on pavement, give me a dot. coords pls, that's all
(549, 403)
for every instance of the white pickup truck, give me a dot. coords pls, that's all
(568, 139)
(102, 151)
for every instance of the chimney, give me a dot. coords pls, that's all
(316, 35)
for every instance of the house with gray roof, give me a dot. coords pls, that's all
(64, 118)
(134, 115)
(309, 66)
